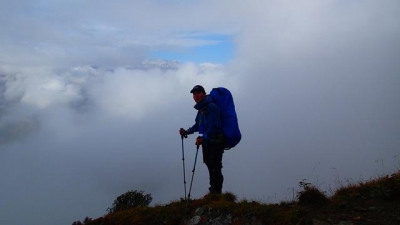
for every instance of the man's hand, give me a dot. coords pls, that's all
(199, 140)
(183, 132)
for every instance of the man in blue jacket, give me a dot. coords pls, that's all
(208, 123)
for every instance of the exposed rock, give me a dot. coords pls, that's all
(319, 222)
(209, 216)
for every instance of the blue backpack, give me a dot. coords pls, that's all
(222, 97)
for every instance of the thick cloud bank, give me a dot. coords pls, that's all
(80, 138)
(84, 117)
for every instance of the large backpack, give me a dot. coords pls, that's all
(222, 97)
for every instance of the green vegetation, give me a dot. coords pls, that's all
(129, 200)
(374, 202)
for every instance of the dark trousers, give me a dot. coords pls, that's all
(212, 157)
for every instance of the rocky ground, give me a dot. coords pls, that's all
(355, 213)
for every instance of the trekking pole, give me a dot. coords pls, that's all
(183, 161)
(194, 168)
(191, 182)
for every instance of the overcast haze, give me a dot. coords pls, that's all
(88, 111)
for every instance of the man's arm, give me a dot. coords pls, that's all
(194, 128)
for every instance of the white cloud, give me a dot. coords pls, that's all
(41, 89)
(133, 93)
(315, 84)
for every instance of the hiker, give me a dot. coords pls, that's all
(208, 124)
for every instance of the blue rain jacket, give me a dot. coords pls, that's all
(208, 119)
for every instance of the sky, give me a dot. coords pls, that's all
(218, 50)
(93, 93)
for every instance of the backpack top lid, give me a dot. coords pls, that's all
(224, 100)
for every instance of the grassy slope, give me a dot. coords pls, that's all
(373, 202)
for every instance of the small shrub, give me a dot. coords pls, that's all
(229, 197)
(310, 195)
(131, 199)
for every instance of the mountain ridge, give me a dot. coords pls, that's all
(373, 202)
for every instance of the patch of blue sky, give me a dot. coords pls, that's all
(215, 49)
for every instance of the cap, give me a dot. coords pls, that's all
(198, 88)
